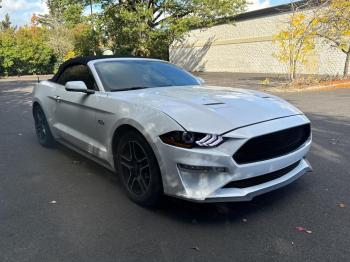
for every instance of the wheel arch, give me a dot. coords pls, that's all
(150, 130)
(130, 125)
(35, 105)
(118, 132)
(38, 103)
(150, 124)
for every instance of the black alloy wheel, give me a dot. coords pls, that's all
(42, 128)
(138, 169)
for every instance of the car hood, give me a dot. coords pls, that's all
(212, 109)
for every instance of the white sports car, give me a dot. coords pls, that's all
(164, 132)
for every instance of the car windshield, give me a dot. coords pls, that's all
(119, 75)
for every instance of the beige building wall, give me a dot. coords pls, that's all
(247, 47)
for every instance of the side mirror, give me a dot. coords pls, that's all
(200, 80)
(78, 86)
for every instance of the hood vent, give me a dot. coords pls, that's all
(214, 104)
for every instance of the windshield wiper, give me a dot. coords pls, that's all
(129, 88)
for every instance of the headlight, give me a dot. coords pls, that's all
(191, 139)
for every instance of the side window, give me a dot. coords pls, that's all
(78, 73)
(82, 73)
(65, 76)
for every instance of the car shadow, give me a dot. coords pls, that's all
(217, 213)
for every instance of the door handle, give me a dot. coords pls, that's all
(57, 99)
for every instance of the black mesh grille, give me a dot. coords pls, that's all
(272, 145)
(261, 179)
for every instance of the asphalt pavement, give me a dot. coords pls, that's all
(56, 205)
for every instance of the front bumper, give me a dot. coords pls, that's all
(209, 186)
(248, 193)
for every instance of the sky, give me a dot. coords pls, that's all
(20, 11)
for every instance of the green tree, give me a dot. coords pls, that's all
(6, 23)
(86, 39)
(62, 17)
(62, 12)
(8, 52)
(35, 54)
(70, 33)
(25, 51)
(61, 40)
(149, 27)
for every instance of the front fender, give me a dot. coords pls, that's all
(151, 124)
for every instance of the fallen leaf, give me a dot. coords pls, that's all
(195, 248)
(53, 202)
(333, 141)
(302, 229)
(342, 205)
(244, 220)
(19, 134)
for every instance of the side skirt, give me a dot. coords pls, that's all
(99, 161)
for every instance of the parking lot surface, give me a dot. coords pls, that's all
(56, 205)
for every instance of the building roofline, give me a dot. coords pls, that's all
(278, 9)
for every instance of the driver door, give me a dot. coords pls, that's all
(75, 112)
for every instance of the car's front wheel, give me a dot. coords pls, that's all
(42, 128)
(138, 168)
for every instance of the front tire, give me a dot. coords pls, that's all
(42, 128)
(138, 168)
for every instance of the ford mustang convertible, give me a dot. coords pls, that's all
(163, 131)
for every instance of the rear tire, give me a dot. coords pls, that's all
(42, 128)
(138, 169)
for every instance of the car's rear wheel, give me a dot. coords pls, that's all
(138, 168)
(42, 128)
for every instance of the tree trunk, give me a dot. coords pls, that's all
(293, 76)
(293, 71)
(346, 66)
(166, 55)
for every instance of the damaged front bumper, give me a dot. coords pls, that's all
(206, 175)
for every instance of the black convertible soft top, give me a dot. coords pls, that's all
(83, 60)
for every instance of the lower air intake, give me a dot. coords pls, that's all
(261, 179)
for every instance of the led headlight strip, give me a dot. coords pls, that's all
(210, 140)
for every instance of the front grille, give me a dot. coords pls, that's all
(261, 179)
(272, 145)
